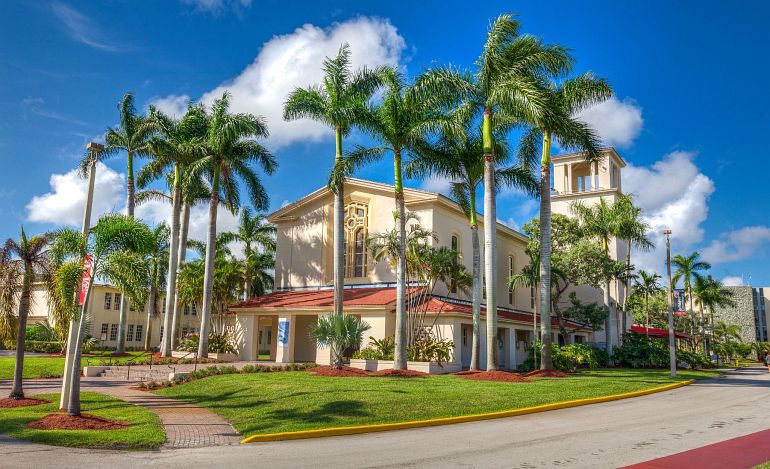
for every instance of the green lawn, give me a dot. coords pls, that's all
(145, 431)
(291, 401)
(50, 367)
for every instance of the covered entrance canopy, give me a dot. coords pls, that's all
(658, 333)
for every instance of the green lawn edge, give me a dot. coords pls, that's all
(145, 432)
(264, 403)
(52, 366)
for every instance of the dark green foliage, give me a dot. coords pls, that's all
(425, 349)
(43, 346)
(218, 343)
(639, 351)
(41, 332)
(586, 313)
(568, 357)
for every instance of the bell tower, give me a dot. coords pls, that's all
(575, 179)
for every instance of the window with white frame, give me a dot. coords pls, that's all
(193, 309)
(186, 310)
(107, 300)
(130, 333)
(103, 332)
(139, 332)
(118, 297)
(114, 332)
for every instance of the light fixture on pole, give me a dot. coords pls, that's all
(671, 339)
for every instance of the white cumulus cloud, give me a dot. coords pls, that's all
(439, 184)
(733, 281)
(63, 205)
(617, 122)
(172, 105)
(738, 245)
(295, 60)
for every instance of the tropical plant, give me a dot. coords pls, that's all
(229, 152)
(258, 237)
(339, 333)
(688, 269)
(339, 103)
(158, 262)
(709, 294)
(219, 342)
(506, 91)
(10, 287)
(639, 351)
(431, 349)
(648, 284)
(31, 257)
(118, 246)
(457, 156)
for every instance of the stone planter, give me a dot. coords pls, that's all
(426, 367)
(225, 357)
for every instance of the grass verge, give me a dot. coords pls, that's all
(145, 431)
(51, 367)
(294, 401)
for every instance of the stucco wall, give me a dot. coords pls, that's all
(742, 314)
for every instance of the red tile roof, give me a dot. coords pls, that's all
(372, 296)
(658, 333)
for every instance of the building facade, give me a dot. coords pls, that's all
(750, 312)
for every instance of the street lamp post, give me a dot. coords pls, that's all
(671, 339)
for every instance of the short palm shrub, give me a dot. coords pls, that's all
(567, 357)
(339, 333)
(218, 343)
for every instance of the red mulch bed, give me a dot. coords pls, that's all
(8, 402)
(500, 376)
(346, 371)
(60, 421)
(400, 373)
(546, 374)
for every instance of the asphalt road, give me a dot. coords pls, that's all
(601, 435)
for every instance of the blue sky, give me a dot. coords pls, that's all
(691, 103)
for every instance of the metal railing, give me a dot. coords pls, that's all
(129, 363)
(195, 361)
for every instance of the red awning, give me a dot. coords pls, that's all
(658, 333)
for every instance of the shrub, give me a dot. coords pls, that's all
(568, 357)
(693, 359)
(340, 333)
(639, 351)
(43, 346)
(218, 343)
(41, 332)
(248, 369)
(429, 349)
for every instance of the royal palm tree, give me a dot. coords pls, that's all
(131, 136)
(31, 258)
(457, 156)
(229, 153)
(506, 91)
(258, 237)
(566, 98)
(400, 123)
(648, 284)
(10, 286)
(600, 221)
(688, 269)
(710, 294)
(339, 103)
(118, 246)
(158, 261)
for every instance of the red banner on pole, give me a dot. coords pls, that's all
(88, 273)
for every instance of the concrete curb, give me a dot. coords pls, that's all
(323, 432)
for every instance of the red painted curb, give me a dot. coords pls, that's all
(743, 452)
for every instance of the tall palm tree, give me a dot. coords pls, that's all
(131, 136)
(229, 153)
(457, 156)
(566, 98)
(173, 148)
(400, 123)
(118, 246)
(710, 293)
(648, 284)
(600, 221)
(688, 269)
(258, 236)
(158, 260)
(32, 258)
(339, 103)
(10, 286)
(506, 91)
(633, 229)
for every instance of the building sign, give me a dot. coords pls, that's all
(85, 283)
(679, 304)
(283, 332)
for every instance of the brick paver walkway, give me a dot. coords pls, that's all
(186, 425)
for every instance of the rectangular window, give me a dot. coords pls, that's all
(139, 332)
(118, 297)
(359, 254)
(130, 333)
(465, 336)
(107, 300)
(510, 274)
(194, 309)
(161, 333)
(532, 297)
(184, 331)
(186, 310)
(103, 333)
(114, 332)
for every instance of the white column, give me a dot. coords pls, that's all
(569, 178)
(593, 176)
(285, 337)
(511, 348)
(244, 336)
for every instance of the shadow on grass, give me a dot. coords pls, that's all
(325, 414)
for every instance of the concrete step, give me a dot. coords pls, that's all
(136, 374)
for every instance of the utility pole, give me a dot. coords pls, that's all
(671, 339)
(93, 150)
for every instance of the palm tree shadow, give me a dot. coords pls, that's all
(326, 414)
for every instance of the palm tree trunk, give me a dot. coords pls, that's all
(546, 361)
(399, 356)
(130, 204)
(168, 320)
(121, 346)
(208, 275)
(339, 233)
(608, 321)
(247, 273)
(184, 228)
(627, 289)
(490, 240)
(647, 312)
(73, 404)
(17, 392)
(476, 295)
(74, 325)
(150, 313)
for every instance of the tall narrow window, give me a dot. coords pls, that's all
(139, 333)
(194, 310)
(186, 310)
(118, 297)
(107, 300)
(114, 332)
(359, 254)
(130, 333)
(103, 335)
(510, 274)
(454, 243)
(532, 297)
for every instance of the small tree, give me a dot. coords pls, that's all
(339, 333)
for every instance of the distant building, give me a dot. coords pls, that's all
(749, 313)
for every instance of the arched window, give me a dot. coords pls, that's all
(355, 239)
(454, 243)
